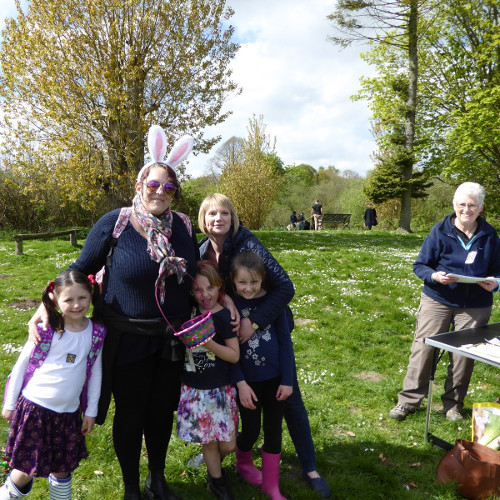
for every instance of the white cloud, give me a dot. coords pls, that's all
(297, 80)
(300, 83)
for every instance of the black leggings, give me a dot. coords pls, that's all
(272, 410)
(146, 395)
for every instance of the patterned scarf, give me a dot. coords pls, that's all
(158, 231)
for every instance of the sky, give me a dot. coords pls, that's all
(297, 80)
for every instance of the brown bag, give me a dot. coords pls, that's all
(475, 467)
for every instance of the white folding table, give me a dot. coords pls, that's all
(455, 342)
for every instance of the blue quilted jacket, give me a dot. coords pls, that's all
(280, 290)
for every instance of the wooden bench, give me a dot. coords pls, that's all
(337, 220)
(19, 238)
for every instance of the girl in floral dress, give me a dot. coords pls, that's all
(208, 411)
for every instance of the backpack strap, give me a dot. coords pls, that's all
(187, 222)
(120, 225)
(39, 353)
(122, 221)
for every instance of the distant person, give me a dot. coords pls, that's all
(370, 217)
(293, 220)
(463, 243)
(208, 413)
(50, 388)
(264, 377)
(317, 215)
(300, 220)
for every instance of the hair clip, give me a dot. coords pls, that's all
(91, 279)
(50, 286)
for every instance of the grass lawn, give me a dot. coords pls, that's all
(355, 306)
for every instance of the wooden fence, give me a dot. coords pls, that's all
(19, 238)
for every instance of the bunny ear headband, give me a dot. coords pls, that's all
(157, 145)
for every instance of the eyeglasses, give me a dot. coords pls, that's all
(463, 206)
(153, 186)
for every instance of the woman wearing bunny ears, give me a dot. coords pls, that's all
(146, 249)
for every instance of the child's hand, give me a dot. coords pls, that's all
(87, 425)
(246, 394)
(8, 414)
(283, 392)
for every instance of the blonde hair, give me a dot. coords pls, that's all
(217, 199)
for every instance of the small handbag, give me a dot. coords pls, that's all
(475, 467)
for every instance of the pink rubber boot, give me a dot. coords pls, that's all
(271, 475)
(246, 469)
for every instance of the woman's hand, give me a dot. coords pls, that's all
(489, 286)
(284, 391)
(246, 330)
(235, 314)
(441, 277)
(41, 316)
(246, 394)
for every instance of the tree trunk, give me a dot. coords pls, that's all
(405, 216)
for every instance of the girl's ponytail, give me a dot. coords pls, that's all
(56, 320)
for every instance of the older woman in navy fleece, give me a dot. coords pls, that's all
(462, 244)
(217, 219)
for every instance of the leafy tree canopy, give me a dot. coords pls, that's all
(254, 183)
(82, 81)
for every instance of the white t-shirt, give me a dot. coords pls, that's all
(58, 382)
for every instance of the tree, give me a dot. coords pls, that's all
(387, 94)
(460, 83)
(301, 173)
(84, 79)
(229, 154)
(254, 183)
(326, 174)
(392, 22)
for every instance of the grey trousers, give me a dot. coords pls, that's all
(433, 318)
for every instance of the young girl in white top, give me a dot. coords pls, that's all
(50, 386)
(208, 412)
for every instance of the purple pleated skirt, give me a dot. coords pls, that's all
(42, 441)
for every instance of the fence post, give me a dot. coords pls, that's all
(72, 238)
(19, 244)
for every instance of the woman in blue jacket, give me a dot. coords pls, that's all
(217, 219)
(463, 244)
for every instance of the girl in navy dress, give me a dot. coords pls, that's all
(264, 377)
(208, 412)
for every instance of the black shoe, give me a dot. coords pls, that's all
(132, 493)
(218, 486)
(156, 488)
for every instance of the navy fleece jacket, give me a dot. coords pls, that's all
(443, 250)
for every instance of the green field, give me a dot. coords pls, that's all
(355, 305)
